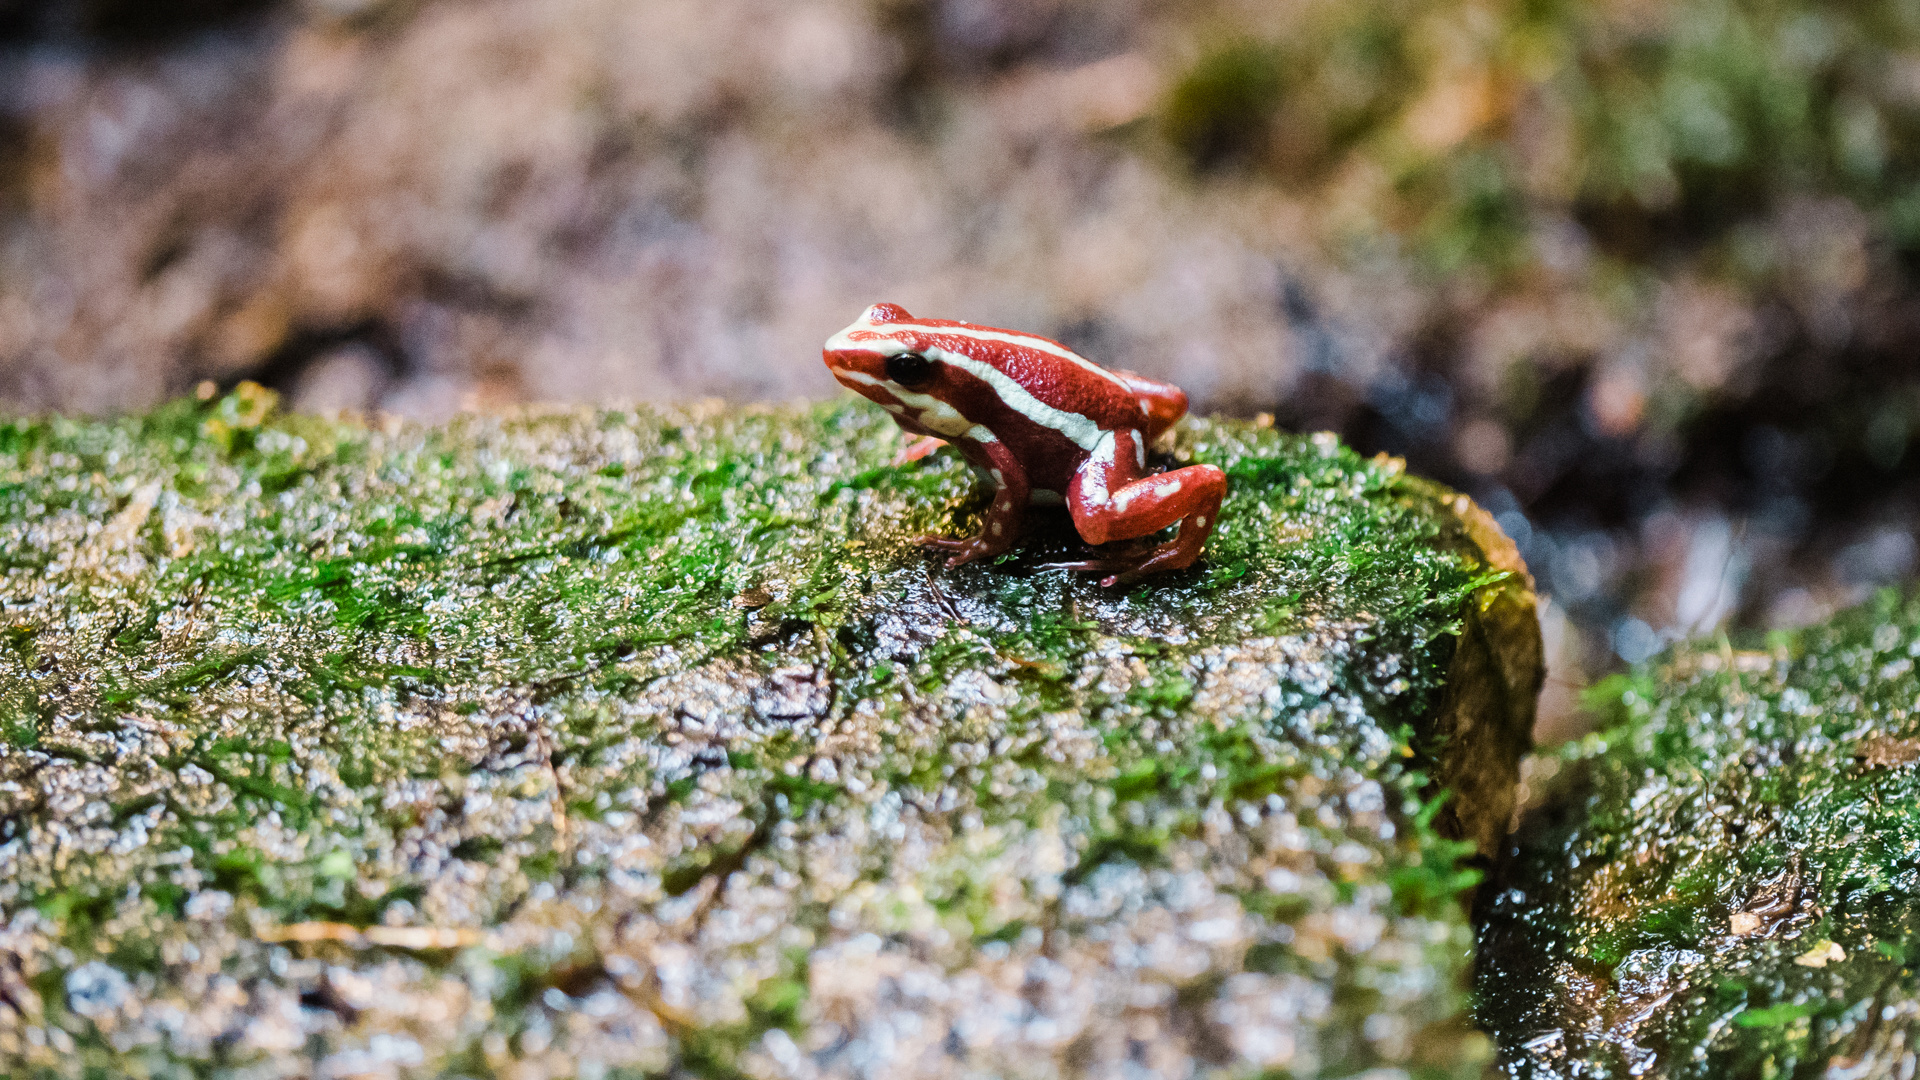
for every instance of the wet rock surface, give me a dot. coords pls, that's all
(1727, 886)
(603, 743)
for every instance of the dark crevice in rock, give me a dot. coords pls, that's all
(281, 370)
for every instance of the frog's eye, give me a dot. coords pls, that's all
(909, 369)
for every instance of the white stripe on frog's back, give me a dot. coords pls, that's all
(1076, 428)
(844, 340)
(1014, 337)
(1072, 426)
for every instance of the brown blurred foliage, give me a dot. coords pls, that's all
(1639, 274)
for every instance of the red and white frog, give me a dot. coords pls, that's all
(1045, 423)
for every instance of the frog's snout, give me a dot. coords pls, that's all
(845, 364)
(854, 368)
(851, 354)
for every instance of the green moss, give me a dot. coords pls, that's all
(1219, 111)
(1739, 811)
(666, 719)
(1701, 114)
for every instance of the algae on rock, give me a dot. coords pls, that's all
(630, 743)
(1731, 886)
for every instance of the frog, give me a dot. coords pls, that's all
(1046, 426)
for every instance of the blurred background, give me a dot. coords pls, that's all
(1643, 276)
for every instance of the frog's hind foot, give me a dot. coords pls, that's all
(1132, 567)
(964, 551)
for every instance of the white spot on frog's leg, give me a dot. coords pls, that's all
(1200, 522)
(1139, 449)
(1104, 449)
(1172, 488)
(998, 478)
(997, 530)
(1093, 484)
(981, 435)
(1144, 410)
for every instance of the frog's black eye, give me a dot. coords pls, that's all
(909, 368)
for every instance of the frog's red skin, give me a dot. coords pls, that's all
(1047, 425)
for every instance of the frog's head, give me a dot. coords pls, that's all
(878, 358)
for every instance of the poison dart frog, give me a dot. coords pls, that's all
(1045, 423)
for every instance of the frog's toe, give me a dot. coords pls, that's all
(1164, 558)
(943, 543)
(1132, 567)
(1082, 565)
(918, 449)
(964, 551)
(1114, 569)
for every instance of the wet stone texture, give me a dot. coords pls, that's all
(1729, 888)
(617, 744)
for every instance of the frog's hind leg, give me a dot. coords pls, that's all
(1161, 404)
(1111, 500)
(1005, 515)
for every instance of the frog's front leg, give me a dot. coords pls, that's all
(1005, 515)
(918, 449)
(1111, 498)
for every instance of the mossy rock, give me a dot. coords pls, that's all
(637, 743)
(1730, 886)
